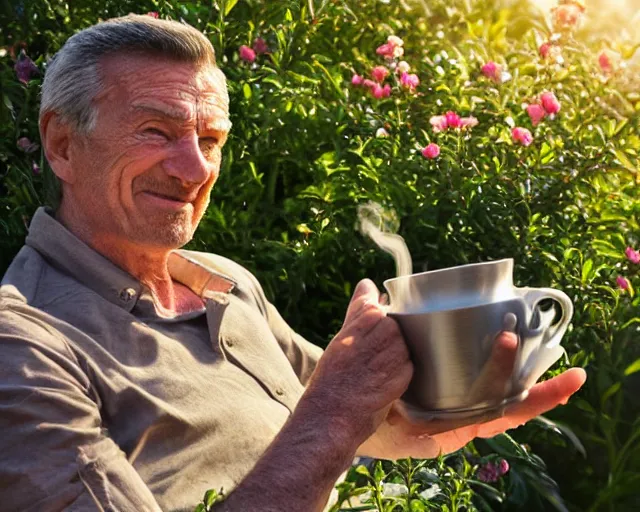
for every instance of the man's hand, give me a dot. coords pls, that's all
(364, 369)
(401, 436)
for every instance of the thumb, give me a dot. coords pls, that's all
(365, 293)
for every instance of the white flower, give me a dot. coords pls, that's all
(403, 66)
(3, 52)
(431, 492)
(509, 120)
(395, 41)
(505, 76)
(381, 132)
(394, 490)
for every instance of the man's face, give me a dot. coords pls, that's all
(144, 174)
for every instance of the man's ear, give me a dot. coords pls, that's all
(56, 136)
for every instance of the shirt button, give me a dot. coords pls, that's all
(229, 343)
(279, 391)
(127, 294)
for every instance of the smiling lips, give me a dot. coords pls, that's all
(169, 201)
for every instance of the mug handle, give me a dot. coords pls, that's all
(534, 295)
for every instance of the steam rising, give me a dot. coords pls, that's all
(380, 225)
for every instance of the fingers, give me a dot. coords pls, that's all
(365, 293)
(495, 380)
(542, 398)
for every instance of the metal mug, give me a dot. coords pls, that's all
(451, 330)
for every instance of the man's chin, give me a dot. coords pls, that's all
(167, 237)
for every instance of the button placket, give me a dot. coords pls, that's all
(216, 304)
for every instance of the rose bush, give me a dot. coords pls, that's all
(492, 129)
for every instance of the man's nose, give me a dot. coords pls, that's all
(188, 164)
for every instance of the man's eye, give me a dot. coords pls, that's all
(156, 132)
(208, 145)
(208, 141)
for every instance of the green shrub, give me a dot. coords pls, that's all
(304, 154)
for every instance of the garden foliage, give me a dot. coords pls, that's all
(506, 132)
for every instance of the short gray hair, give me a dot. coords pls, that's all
(72, 79)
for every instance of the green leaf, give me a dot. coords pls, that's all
(612, 390)
(632, 368)
(378, 472)
(246, 90)
(362, 470)
(587, 268)
(229, 4)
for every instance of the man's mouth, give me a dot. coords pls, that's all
(169, 200)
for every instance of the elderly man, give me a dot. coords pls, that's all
(135, 375)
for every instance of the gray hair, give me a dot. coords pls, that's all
(72, 79)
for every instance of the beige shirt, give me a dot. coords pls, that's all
(103, 399)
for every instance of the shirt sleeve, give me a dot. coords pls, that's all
(54, 452)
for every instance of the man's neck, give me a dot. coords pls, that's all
(150, 266)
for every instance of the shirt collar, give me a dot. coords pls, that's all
(63, 250)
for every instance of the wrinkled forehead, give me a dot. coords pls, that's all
(181, 90)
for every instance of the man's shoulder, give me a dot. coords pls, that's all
(21, 321)
(32, 283)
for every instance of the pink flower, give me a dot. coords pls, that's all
(544, 50)
(522, 136)
(410, 81)
(550, 103)
(246, 54)
(623, 283)
(439, 123)
(566, 15)
(260, 46)
(386, 91)
(25, 68)
(536, 113)
(392, 48)
(379, 73)
(609, 61)
(431, 151)
(493, 71)
(491, 472)
(377, 91)
(605, 62)
(386, 50)
(368, 83)
(632, 255)
(453, 120)
(35, 168)
(26, 145)
(488, 473)
(357, 80)
(153, 14)
(468, 122)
